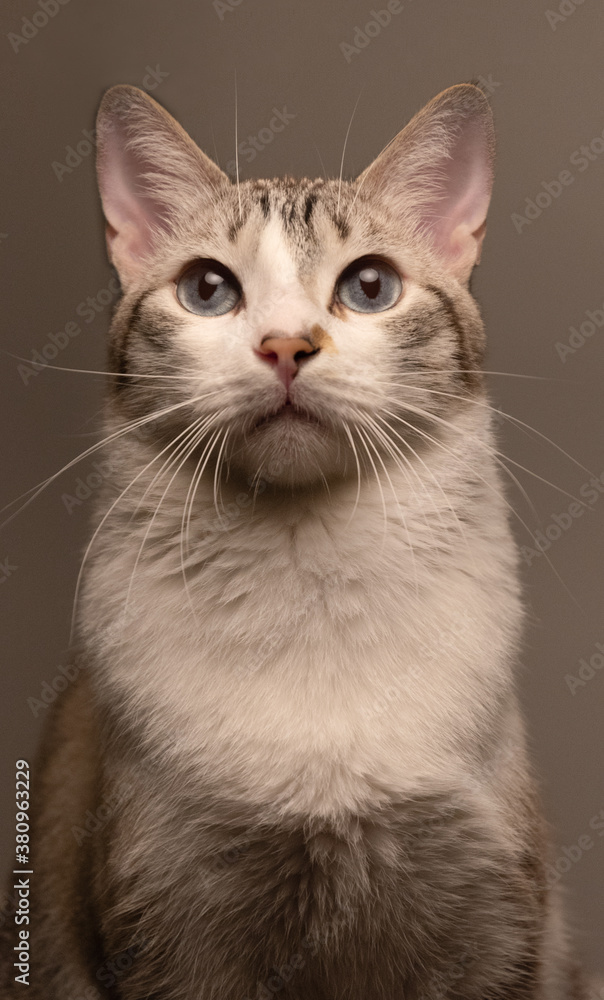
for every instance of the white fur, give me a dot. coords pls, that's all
(327, 665)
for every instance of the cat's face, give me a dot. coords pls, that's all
(312, 325)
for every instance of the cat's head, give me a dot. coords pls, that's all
(296, 328)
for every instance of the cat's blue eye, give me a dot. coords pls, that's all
(208, 288)
(369, 286)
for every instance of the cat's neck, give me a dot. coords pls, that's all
(379, 556)
(341, 608)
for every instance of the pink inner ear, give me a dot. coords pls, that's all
(465, 180)
(131, 214)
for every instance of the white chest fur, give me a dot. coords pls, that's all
(320, 656)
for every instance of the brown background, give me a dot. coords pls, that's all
(548, 97)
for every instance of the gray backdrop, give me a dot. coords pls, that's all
(540, 277)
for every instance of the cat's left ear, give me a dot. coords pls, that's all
(438, 174)
(151, 174)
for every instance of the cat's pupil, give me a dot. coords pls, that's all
(370, 282)
(208, 283)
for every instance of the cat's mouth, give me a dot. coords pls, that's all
(288, 411)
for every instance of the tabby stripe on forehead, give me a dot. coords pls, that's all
(288, 212)
(237, 224)
(311, 201)
(463, 355)
(342, 227)
(265, 204)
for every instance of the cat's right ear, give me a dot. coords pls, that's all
(150, 175)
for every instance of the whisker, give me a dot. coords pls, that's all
(490, 486)
(188, 451)
(400, 510)
(195, 481)
(216, 159)
(185, 524)
(100, 526)
(508, 416)
(237, 148)
(494, 454)
(494, 451)
(92, 371)
(358, 465)
(378, 481)
(190, 432)
(482, 371)
(359, 186)
(344, 149)
(396, 452)
(216, 474)
(320, 160)
(133, 425)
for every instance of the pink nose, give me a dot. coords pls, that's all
(286, 354)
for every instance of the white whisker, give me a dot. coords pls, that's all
(195, 481)
(344, 149)
(400, 509)
(188, 449)
(100, 526)
(185, 524)
(358, 465)
(237, 148)
(217, 474)
(128, 428)
(93, 371)
(398, 457)
(494, 451)
(434, 478)
(490, 486)
(378, 481)
(508, 416)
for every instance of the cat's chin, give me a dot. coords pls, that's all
(290, 447)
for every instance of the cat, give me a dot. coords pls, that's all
(294, 764)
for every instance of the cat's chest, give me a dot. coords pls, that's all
(314, 666)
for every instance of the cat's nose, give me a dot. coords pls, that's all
(286, 354)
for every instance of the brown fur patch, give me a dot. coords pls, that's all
(321, 340)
